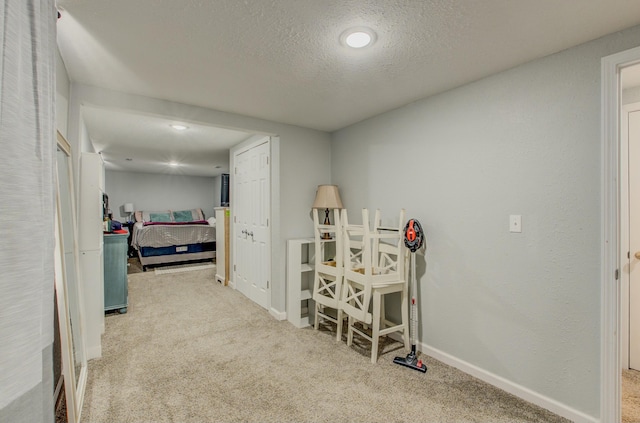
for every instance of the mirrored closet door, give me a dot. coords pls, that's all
(68, 286)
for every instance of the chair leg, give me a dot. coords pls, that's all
(316, 321)
(383, 316)
(375, 333)
(339, 318)
(349, 331)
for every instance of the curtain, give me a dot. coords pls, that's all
(27, 93)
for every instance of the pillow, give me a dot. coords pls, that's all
(146, 215)
(138, 216)
(160, 217)
(212, 221)
(183, 216)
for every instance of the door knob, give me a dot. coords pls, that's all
(637, 255)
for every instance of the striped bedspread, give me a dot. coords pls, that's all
(164, 236)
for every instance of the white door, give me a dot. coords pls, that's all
(252, 199)
(634, 239)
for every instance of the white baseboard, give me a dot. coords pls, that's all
(502, 383)
(279, 315)
(509, 386)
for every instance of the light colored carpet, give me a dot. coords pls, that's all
(191, 350)
(630, 396)
(134, 266)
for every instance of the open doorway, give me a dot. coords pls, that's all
(613, 250)
(630, 242)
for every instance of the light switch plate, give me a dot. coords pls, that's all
(515, 223)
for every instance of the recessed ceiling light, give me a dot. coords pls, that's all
(174, 164)
(179, 127)
(358, 37)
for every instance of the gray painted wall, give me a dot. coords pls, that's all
(526, 306)
(216, 190)
(149, 191)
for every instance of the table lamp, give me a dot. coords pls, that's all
(128, 208)
(327, 197)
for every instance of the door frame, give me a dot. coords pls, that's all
(610, 368)
(234, 152)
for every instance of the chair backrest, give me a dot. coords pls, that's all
(353, 244)
(388, 250)
(377, 252)
(322, 245)
(372, 258)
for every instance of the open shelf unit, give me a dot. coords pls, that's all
(300, 270)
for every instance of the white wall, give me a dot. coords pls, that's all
(148, 191)
(523, 307)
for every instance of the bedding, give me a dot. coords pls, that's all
(167, 236)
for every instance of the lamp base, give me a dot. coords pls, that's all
(327, 222)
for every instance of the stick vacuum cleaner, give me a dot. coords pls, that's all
(413, 239)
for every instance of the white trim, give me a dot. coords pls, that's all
(624, 247)
(277, 265)
(509, 386)
(279, 315)
(610, 375)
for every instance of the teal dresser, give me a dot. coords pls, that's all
(116, 288)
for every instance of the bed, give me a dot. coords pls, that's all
(169, 237)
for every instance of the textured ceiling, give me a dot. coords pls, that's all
(281, 60)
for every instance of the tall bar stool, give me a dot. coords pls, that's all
(327, 282)
(374, 266)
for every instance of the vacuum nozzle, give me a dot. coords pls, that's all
(411, 361)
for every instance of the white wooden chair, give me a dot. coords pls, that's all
(327, 283)
(374, 266)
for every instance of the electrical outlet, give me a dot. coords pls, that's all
(515, 223)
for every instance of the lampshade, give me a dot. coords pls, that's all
(128, 207)
(327, 197)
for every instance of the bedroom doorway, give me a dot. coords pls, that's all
(613, 205)
(630, 235)
(251, 206)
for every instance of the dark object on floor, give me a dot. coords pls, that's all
(411, 361)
